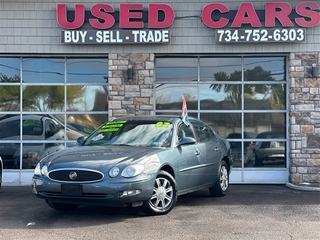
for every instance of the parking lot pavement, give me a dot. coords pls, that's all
(247, 212)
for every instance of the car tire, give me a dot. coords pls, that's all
(221, 186)
(164, 196)
(63, 207)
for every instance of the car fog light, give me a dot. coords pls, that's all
(131, 192)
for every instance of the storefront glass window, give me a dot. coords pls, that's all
(223, 123)
(9, 70)
(265, 96)
(43, 70)
(169, 96)
(216, 96)
(9, 98)
(87, 70)
(220, 69)
(264, 69)
(242, 98)
(177, 69)
(43, 98)
(51, 108)
(87, 98)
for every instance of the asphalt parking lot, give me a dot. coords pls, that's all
(247, 212)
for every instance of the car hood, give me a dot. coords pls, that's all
(97, 157)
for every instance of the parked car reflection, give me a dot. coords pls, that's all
(266, 151)
(236, 148)
(34, 128)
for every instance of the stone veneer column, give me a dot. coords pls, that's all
(304, 106)
(129, 98)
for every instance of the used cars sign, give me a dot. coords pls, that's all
(277, 22)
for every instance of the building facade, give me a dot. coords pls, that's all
(248, 69)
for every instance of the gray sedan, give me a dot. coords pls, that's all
(142, 162)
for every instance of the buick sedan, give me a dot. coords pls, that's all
(144, 162)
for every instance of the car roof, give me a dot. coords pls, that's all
(8, 118)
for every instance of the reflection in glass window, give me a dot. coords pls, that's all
(43, 70)
(87, 70)
(223, 123)
(87, 98)
(43, 98)
(265, 122)
(239, 97)
(9, 70)
(82, 123)
(9, 98)
(264, 69)
(220, 69)
(32, 153)
(9, 128)
(169, 96)
(177, 69)
(220, 96)
(269, 153)
(10, 154)
(265, 97)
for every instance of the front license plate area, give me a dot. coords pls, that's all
(74, 190)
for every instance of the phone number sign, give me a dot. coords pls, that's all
(260, 35)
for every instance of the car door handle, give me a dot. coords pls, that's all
(217, 149)
(197, 152)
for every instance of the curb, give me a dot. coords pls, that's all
(304, 187)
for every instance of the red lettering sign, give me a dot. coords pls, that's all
(101, 11)
(153, 16)
(214, 15)
(305, 9)
(246, 14)
(62, 16)
(274, 11)
(280, 11)
(126, 15)
(209, 9)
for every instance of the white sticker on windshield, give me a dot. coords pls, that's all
(97, 138)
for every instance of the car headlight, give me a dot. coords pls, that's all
(41, 171)
(44, 170)
(114, 172)
(37, 170)
(132, 170)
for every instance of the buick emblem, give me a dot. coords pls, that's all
(73, 175)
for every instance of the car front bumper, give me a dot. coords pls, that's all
(103, 193)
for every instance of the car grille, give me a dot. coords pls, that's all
(75, 175)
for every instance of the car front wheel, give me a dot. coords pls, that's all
(221, 186)
(63, 207)
(164, 196)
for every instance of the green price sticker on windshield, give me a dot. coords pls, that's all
(162, 124)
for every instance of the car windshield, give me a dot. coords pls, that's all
(133, 133)
(12, 128)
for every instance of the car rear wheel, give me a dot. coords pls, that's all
(164, 196)
(63, 207)
(221, 186)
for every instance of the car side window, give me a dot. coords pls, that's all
(202, 131)
(51, 128)
(184, 131)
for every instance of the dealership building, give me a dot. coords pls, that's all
(251, 70)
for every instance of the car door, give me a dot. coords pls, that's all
(190, 171)
(211, 151)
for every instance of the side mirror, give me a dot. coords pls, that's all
(81, 139)
(186, 140)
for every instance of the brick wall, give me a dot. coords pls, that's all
(304, 106)
(130, 97)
